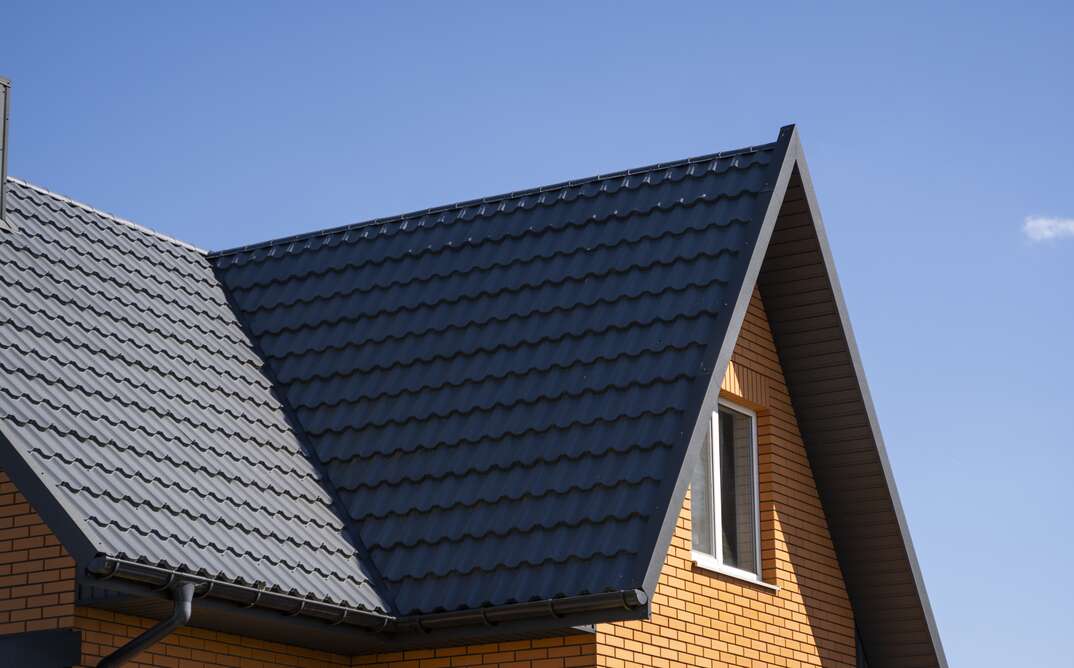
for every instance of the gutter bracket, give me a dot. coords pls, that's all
(183, 593)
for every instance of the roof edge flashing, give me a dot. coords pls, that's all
(57, 512)
(706, 391)
(802, 169)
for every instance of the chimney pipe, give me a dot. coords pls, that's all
(5, 105)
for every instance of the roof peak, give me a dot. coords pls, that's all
(490, 199)
(110, 216)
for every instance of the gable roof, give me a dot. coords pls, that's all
(498, 389)
(487, 406)
(131, 388)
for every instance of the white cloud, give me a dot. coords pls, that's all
(1042, 228)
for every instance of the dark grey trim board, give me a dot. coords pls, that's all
(819, 355)
(57, 648)
(717, 356)
(64, 521)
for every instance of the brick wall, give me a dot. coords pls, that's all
(37, 586)
(37, 591)
(574, 651)
(701, 618)
(103, 632)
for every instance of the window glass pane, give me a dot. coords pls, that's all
(738, 512)
(701, 500)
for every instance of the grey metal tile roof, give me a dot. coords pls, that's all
(129, 384)
(504, 395)
(499, 389)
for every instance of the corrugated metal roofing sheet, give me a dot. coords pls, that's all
(128, 379)
(496, 388)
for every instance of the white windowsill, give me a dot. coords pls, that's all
(709, 563)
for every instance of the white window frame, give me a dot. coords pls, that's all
(714, 562)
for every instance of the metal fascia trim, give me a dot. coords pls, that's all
(707, 388)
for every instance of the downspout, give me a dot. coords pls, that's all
(183, 593)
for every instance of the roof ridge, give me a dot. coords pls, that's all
(515, 194)
(104, 214)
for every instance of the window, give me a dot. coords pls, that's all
(724, 495)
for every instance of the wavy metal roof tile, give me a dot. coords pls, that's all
(131, 385)
(502, 395)
(495, 388)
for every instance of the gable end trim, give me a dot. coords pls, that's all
(65, 521)
(867, 401)
(706, 391)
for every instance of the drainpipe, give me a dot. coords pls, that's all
(183, 593)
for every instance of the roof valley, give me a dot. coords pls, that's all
(368, 566)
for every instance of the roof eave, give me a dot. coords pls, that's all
(867, 400)
(368, 630)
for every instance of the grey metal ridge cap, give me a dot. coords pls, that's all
(491, 199)
(155, 579)
(112, 217)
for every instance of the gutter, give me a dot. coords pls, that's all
(334, 615)
(106, 568)
(627, 599)
(184, 598)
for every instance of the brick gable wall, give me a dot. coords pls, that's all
(701, 618)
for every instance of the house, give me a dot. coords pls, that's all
(617, 421)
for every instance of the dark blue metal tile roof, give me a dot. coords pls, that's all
(131, 388)
(498, 390)
(475, 405)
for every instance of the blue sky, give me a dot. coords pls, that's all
(932, 134)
